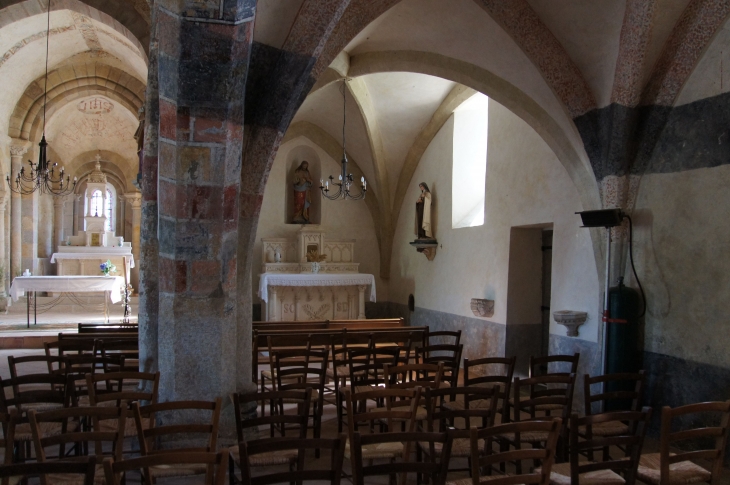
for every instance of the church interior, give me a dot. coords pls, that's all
(219, 174)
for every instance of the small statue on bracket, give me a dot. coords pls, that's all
(425, 242)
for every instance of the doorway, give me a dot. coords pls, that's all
(528, 294)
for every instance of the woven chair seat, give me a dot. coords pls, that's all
(185, 470)
(560, 475)
(130, 427)
(468, 481)
(377, 451)
(342, 372)
(315, 396)
(359, 389)
(421, 415)
(23, 432)
(279, 457)
(682, 473)
(528, 437)
(72, 479)
(611, 428)
(41, 407)
(460, 447)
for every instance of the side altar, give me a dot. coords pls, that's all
(312, 278)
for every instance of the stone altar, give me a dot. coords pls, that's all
(290, 290)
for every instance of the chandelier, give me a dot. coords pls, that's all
(42, 176)
(345, 181)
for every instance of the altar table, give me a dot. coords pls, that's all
(307, 296)
(111, 285)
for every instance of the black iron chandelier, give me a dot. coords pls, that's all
(42, 176)
(346, 180)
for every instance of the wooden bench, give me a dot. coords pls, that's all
(336, 324)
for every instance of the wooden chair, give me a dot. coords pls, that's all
(384, 417)
(668, 468)
(478, 409)
(215, 463)
(7, 424)
(273, 420)
(127, 347)
(609, 471)
(551, 365)
(443, 337)
(434, 467)
(202, 436)
(488, 465)
(32, 363)
(332, 473)
(68, 471)
(489, 372)
(627, 398)
(90, 436)
(299, 369)
(31, 392)
(411, 376)
(546, 394)
(448, 355)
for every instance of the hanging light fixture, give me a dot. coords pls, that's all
(345, 182)
(42, 175)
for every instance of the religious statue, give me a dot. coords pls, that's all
(302, 185)
(423, 213)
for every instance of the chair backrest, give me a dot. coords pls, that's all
(217, 464)
(479, 407)
(485, 457)
(274, 418)
(298, 369)
(366, 364)
(407, 376)
(127, 347)
(698, 434)
(549, 390)
(32, 364)
(434, 465)
(451, 337)
(386, 414)
(551, 365)
(103, 427)
(491, 371)
(114, 390)
(449, 355)
(85, 467)
(329, 474)
(34, 390)
(617, 392)
(630, 442)
(205, 428)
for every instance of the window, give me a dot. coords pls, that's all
(469, 169)
(97, 204)
(109, 212)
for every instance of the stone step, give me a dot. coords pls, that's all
(76, 305)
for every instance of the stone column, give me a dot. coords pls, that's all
(135, 200)
(149, 243)
(202, 74)
(361, 301)
(18, 148)
(59, 204)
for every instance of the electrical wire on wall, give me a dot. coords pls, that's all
(631, 258)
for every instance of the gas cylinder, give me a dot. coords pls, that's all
(623, 351)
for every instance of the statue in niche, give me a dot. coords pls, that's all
(423, 214)
(302, 200)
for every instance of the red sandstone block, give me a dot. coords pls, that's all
(206, 202)
(205, 276)
(149, 178)
(209, 130)
(168, 119)
(173, 275)
(168, 160)
(168, 34)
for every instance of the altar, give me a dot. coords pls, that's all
(312, 278)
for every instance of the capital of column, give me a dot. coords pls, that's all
(18, 147)
(134, 199)
(59, 201)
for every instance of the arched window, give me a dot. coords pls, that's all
(97, 204)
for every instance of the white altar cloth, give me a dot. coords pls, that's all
(68, 284)
(310, 279)
(59, 256)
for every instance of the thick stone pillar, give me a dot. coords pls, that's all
(135, 201)
(202, 72)
(59, 204)
(148, 289)
(18, 148)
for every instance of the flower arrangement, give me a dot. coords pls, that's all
(313, 256)
(107, 268)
